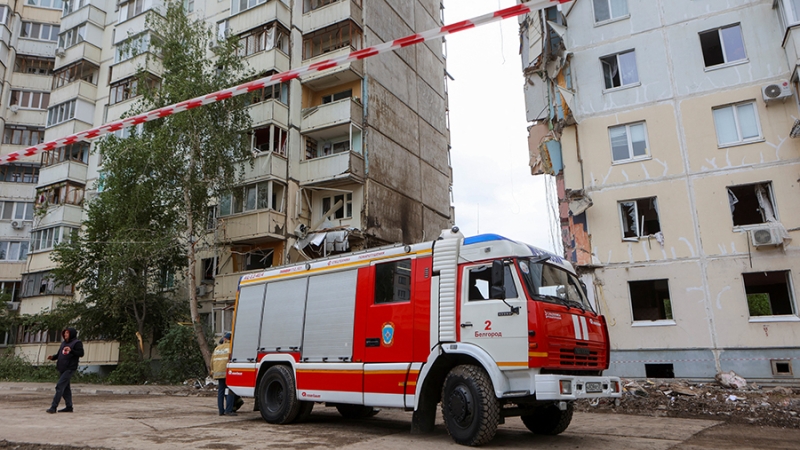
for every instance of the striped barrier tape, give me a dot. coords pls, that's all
(699, 360)
(282, 77)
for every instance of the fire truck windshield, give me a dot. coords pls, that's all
(546, 282)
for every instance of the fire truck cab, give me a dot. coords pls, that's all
(486, 326)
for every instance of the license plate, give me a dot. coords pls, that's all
(593, 387)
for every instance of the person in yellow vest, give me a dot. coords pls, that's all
(219, 362)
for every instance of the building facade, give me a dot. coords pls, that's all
(344, 159)
(670, 128)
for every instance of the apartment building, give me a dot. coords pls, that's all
(345, 159)
(670, 127)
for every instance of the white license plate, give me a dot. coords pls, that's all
(593, 387)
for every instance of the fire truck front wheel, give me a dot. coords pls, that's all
(277, 396)
(470, 409)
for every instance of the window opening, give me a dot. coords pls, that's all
(480, 280)
(752, 204)
(639, 218)
(781, 367)
(769, 293)
(620, 69)
(605, 10)
(650, 300)
(659, 371)
(737, 124)
(722, 45)
(258, 259)
(343, 211)
(337, 96)
(628, 142)
(393, 282)
(210, 269)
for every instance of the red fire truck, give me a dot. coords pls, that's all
(486, 326)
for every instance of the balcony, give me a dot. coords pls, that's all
(130, 67)
(35, 47)
(259, 15)
(332, 170)
(11, 271)
(342, 74)
(88, 13)
(330, 14)
(66, 214)
(67, 170)
(269, 111)
(332, 114)
(116, 110)
(5, 35)
(84, 50)
(76, 89)
(32, 82)
(63, 129)
(131, 27)
(34, 117)
(265, 166)
(225, 286)
(252, 227)
(273, 59)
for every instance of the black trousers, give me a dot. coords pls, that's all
(63, 390)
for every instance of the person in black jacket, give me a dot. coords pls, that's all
(67, 363)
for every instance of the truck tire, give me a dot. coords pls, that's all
(305, 411)
(356, 411)
(470, 409)
(548, 420)
(278, 396)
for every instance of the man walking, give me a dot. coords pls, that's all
(219, 363)
(69, 353)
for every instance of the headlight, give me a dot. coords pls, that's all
(566, 387)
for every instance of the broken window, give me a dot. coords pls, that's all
(393, 282)
(620, 69)
(341, 35)
(277, 143)
(737, 124)
(722, 45)
(210, 268)
(650, 300)
(769, 293)
(628, 142)
(255, 196)
(258, 259)
(639, 218)
(752, 204)
(605, 10)
(342, 203)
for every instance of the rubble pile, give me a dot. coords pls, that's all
(730, 399)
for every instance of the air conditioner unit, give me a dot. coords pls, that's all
(17, 224)
(765, 236)
(14, 108)
(12, 306)
(60, 51)
(777, 91)
(201, 290)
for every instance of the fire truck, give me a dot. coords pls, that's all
(485, 326)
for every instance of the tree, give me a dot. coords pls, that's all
(149, 218)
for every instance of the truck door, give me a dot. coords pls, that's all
(389, 333)
(490, 323)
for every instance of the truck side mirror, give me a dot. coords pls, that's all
(498, 288)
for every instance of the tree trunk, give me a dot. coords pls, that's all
(199, 333)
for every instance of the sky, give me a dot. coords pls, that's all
(493, 189)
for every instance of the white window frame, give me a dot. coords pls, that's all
(72, 37)
(4, 14)
(631, 157)
(41, 4)
(792, 299)
(611, 17)
(42, 104)
(63, 112)
(237, 5)
(19, 248)
(346, 205)
(23, 210)
(637, 218)
(622, 84)
(725, 62)
(790, 15)
(26, 24)
(740, 140)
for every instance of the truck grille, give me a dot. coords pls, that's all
(576, 355)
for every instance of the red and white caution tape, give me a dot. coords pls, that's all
(166, 111)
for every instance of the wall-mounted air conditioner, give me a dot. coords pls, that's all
(17, 224)
(60, 51)
(776, 91)
(765, 236)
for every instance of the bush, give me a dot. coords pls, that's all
(15, 368)
(130, 370)
(180, 356)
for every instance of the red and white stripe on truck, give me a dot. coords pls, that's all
(486, 326)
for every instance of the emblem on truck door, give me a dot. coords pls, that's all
(387, 334)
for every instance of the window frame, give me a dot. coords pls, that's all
(27, 28)
(631, 156)
(654, 322)
(771, 197)
(735, 108)
(622, 85)
(793, 317)
(726, 62)
(611, 18)
(395, 265)
(347, 205)
(637, 221)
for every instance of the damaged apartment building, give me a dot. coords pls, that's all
(670, 126)
(348, 158)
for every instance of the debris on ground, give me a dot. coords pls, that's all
(730, 399)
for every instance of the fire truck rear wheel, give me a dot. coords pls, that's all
(278, 396)
(548, 420)
(356, 411)
(470, 409)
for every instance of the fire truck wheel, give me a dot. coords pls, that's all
(356, 411)
(277, 396)
(548, 420)
(470, 409)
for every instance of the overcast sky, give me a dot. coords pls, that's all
(494, 190)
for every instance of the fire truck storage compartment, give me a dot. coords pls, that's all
(248, 318)
(328, 334)
(284, 308)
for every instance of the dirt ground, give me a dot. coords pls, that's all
(754, 404)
